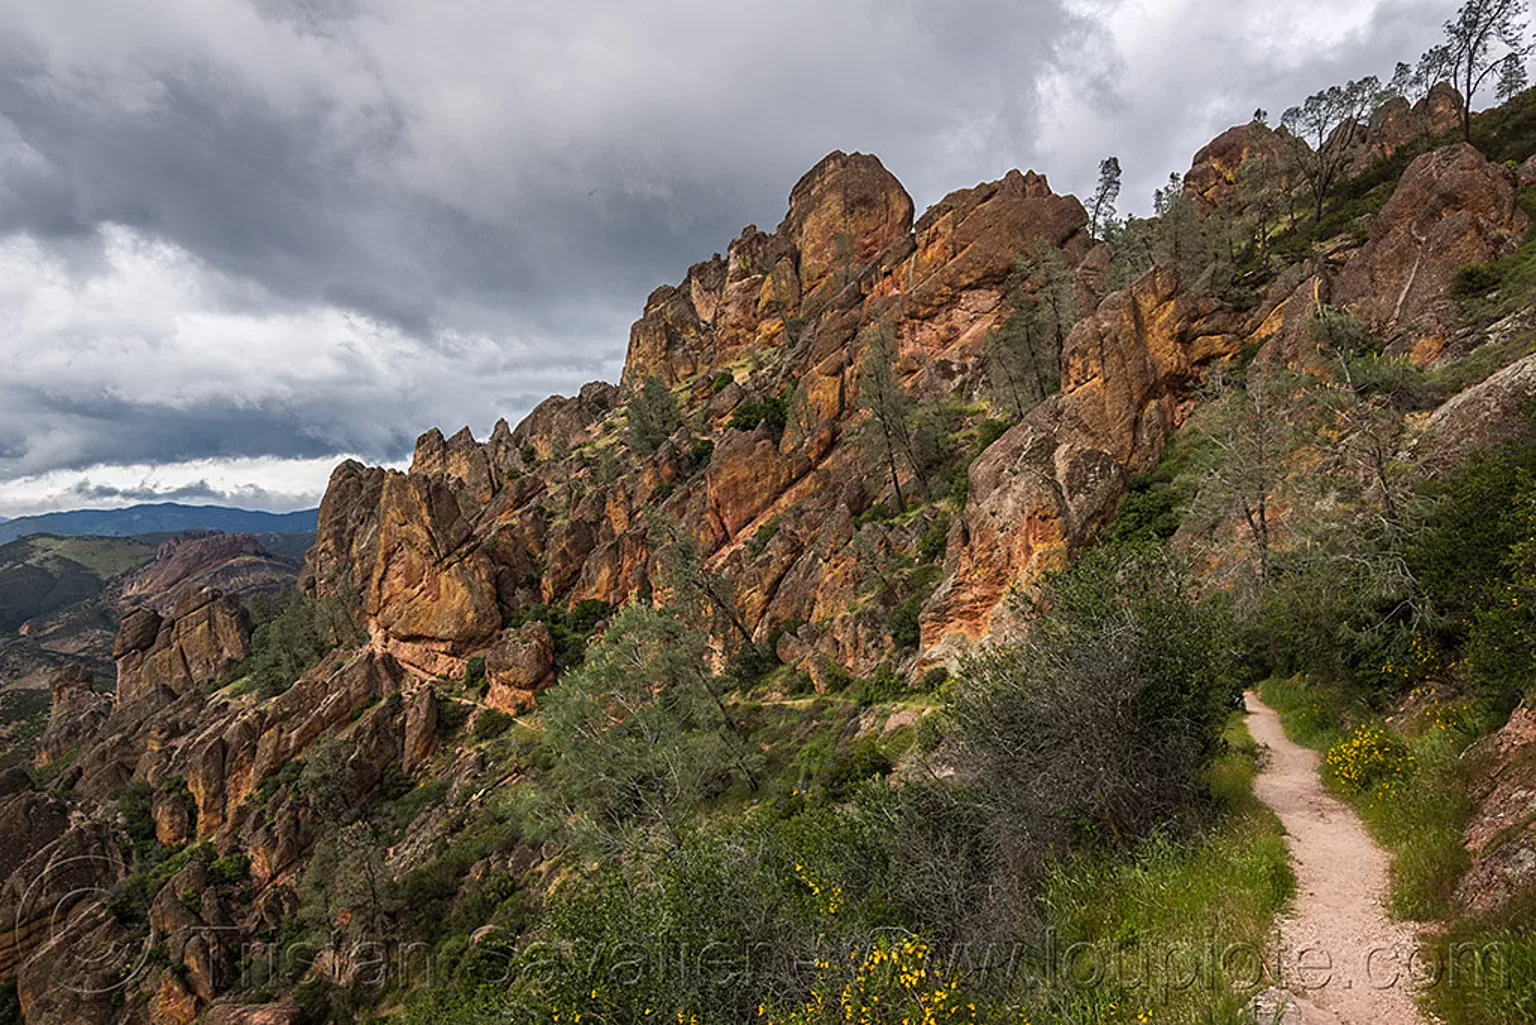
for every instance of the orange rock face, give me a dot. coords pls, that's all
(1451, 208)
(1213, 176)
(843, 214)
(1046, 486)
(520, 664)
(202, 639)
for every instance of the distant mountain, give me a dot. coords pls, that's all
(165, 517)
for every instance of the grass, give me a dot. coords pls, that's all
(1417, 814)
(107, 557)
(1187, 919)
(1489, 964)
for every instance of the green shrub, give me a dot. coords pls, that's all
(722, 381)
(699, 457)
(990, 431)
(772, 411)
(1474, 280)
(474, 673)
(934, 542)
(10, 1004)
(293, 641)
(652, 417)
(491, 722)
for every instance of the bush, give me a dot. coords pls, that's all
(653, 416)
(934, 542)
(1366, 759)
(474, 673)
(773, 411)
(699, 457)
(722, 381)
(491, 723)
(1475, 279)
(296, 639)
(1130, 673)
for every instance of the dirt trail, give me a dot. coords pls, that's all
(1341, 957)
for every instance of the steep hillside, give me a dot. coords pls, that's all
(892, 607)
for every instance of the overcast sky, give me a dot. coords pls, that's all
(240, 239)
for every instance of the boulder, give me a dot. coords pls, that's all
(1481, 417)
(1214, 174)
(205, 636)
(520, 664)
(842, 214)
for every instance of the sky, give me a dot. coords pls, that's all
(241, 240)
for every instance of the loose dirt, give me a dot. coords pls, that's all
(1341, 958)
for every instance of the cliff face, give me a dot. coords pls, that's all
(553, 511)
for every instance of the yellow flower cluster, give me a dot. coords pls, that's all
(830, 899)
(1442, 715)
(1369, 756)
(894, 983)
(1422, 660)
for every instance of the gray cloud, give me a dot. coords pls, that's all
(293, 228)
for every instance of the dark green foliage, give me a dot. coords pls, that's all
(931, 546)
(699, 456)
(135, 816)
(990, 431)
(653, 416)
(902, 620)
(1474, 558)
(474, 673)
(1474, 280)
(451, 717)
(412, 803)
(722, 381)
(23, 718)
(1154, 507)
(10, 1004)
(772, 411)
(1129, 672)
(394, 783)
(294, 640)
(850, 765)
(877, 513)
(231, 869)
(758, 542)
(286, 776)
(491, 723)
(662, 493)
(569, 628)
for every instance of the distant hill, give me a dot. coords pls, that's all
(162, 518)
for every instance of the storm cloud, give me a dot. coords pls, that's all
(259, 234)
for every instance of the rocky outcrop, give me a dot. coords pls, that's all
(1482, 417)
(556, 424)
(520, 664)
(842, 215)
(237, 565)
(430, 589)
(1216, 175)
(1040, 491)
(1397, 124)
(1451, 208)
(75, 715)
(1500, 838)
(205, 635)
